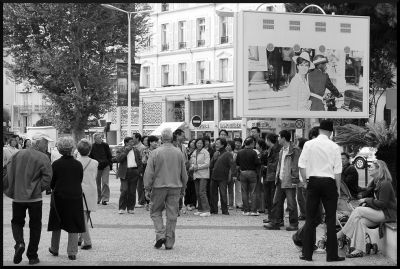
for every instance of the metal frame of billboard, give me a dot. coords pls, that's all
(257, 33)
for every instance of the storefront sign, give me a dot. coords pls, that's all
(262, 124)
(232, 124)
(299, 124)
(286, 124)
(205, 125)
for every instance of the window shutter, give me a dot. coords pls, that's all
(169, 37)
(207, 70)
(208, 31)
(193, 73)
(175, 35)
(230, 30)
(217, 26)
(230, 69)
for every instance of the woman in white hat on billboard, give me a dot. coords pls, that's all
(298, 89)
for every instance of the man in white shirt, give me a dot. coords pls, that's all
(320, 163)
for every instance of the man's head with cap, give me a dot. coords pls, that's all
(320, 61)
(40, 141)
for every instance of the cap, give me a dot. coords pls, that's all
(320, 59)
(326, 125)
(39, 136)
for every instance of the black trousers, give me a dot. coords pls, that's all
(321, 189)
(127, 198)
(190, 193)
(223, 193)
(35, 225)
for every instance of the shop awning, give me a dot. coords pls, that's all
(172, 125)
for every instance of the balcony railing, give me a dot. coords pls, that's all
(29, 109)
(182, 45)
(164, 47)
(201, 43)
(224, 39)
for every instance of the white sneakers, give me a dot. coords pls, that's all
(246, 213)
(254, 214)
(130, 211)
(120, 211)
(197, 213)
(205, 214)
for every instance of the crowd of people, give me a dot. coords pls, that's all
(255, 176)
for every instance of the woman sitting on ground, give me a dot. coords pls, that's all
(372, 211)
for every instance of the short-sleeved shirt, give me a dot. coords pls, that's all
(321, 157)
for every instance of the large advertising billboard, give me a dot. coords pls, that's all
(292, 65)
(122, 84)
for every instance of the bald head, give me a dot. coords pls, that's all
(166, 135)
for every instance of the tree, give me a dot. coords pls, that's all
(383, 42)
(68, 51)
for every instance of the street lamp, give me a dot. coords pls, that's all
(129, 57)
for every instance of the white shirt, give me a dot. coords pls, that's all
(131, 159)
(321, 157)
(285, 151)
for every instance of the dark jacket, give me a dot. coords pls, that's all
(290, 168)
(319, 81)
(384, 200)
(222, 167)
(101, 153)
(264, 161)
(66, 206)
(272, 162)
(122, 159)
(29, 174)
(350, 178)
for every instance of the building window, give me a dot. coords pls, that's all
(201, 30)
(223, 70)
(224, 30)
(294, 25)
(182, 73)
(25, 99)
(226, 109)
(164, 7)
(176, 111)
(181, 34)
(204, 108)
(200, 71)
(268, 24)
(345, 28)
(164, 74)
(164, 44)
(146, 76)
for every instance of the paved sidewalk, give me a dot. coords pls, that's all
(217, 240)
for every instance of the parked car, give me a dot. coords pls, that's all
(366, 156)
(353, 100)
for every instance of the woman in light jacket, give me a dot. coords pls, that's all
(89, 188)
(298, 89)
(199, 164)
(373, 211)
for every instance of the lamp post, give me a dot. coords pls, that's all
(129, 57)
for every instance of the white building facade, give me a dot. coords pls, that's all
(187, 70)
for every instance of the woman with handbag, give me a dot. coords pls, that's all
(372, 211)
(66, 206)
(89, 189)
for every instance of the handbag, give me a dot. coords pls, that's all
(84, 198)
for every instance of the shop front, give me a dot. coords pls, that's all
(233, 127)
(266, 126)
(206, 128)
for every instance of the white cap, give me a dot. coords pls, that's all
(39, 136)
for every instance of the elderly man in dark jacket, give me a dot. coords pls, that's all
(350, 175)
(129, 172)
(29, 174)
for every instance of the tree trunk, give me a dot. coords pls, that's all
(78, 134)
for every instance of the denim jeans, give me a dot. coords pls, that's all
(127, 198)
(301, 200)
(277, 208)
(168, 199)
(201, 193)
(230, 192)
(35, 225)
(140, 191)
(220, 185)
(269, 192)
(102, 181)
(238, 193)
(248, 179)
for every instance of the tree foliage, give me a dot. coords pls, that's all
(68, 51)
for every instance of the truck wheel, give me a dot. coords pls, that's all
(360, 162)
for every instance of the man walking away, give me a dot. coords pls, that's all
(101, 152)
(165, 181)
(29, 173)
(321, 165)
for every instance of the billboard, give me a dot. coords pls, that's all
(122, 84)
(293, 65)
